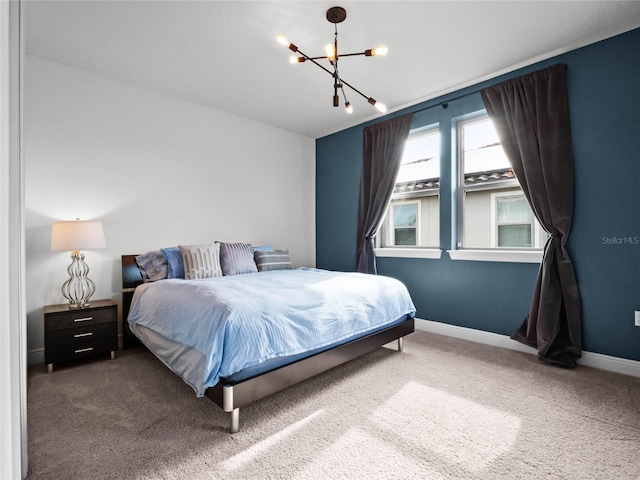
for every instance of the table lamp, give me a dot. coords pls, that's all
(75, 236)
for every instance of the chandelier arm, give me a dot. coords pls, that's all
(324, 57)
(334, 62)
(344, 95)
(337, 82)
(354, 89)
(313, 59)
(353, 54)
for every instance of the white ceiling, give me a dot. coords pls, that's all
(223, 54)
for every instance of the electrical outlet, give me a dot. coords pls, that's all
(637, 318)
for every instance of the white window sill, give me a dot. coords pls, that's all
(434, 253)
(513, 256)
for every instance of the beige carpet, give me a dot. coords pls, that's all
(443, 409)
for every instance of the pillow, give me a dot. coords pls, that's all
(201, 261)
(174, 259)
(153, 266)
(236, 258)
(262, 248)
(276, 260)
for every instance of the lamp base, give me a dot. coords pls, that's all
(79, 288)
(78, 305)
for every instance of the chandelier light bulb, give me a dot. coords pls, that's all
(380, 51)
(282, 40)
(330, 51)
(382, 108)
(296, 59)
(348, 107)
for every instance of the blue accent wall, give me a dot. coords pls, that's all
(604, 244)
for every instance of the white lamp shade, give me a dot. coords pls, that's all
(77, 235)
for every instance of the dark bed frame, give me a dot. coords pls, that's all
(230, 396)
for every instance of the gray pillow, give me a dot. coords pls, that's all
(276, 260)
(152, 265)
(236, 258)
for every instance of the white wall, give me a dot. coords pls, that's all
(157, 171)
(13, 405)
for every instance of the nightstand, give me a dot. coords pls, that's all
(74, 333)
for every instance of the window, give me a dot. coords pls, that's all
(404, 218)
(484, 200)
(493, 211)
(413, 217)
(514, 223)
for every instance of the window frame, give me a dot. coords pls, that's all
(385, 239)
(450, 162)
(463, 189)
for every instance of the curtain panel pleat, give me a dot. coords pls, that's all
(531, 115)
(383, 145)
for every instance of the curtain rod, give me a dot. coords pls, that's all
(445, 104)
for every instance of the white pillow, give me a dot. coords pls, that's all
(201, 261)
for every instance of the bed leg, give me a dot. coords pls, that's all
(235, 420)
(400, 345)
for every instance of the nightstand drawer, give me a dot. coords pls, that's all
(88, 333)
(81, 318)
(66, 353)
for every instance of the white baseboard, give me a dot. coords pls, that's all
(35, 357)
(589, 359)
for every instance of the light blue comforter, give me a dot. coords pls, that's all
(243, 320)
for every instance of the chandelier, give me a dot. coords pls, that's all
(336, 15)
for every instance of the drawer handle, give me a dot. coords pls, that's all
(82, 350)
(83, 319)
(78, 335)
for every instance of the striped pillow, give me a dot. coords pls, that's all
(201, 261)
(236, 258)
(276, 260)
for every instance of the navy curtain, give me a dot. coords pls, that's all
(531, 115)
(382, 150)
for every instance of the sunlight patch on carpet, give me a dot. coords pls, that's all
(362, 454)
(250, 454)
(461, 432)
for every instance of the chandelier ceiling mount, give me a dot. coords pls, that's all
(336, 14)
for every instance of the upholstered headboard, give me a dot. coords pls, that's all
(131, 278)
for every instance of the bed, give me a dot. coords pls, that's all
(245, 349)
